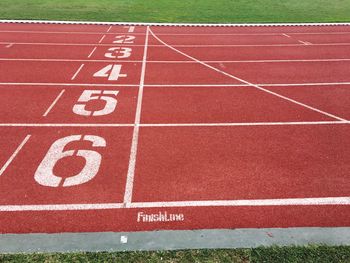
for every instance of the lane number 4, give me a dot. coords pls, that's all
(112, 72)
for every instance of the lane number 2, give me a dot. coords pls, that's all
(45, 176)
(124, 39)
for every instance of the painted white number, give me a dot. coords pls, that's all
(118, 52)
(131, 29)
(45, 176)
(124, 39)
(110, 71)
(89, 95)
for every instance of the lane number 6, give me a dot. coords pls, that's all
(45, 176)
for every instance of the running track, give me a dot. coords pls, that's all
(219, 127)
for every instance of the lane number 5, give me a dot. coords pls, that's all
(109, 96)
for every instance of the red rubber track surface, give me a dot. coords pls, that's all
(229, 127)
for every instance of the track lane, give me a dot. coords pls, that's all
(220, 105)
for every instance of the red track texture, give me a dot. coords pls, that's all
(217, 127)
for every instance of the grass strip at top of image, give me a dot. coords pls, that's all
(204, 11)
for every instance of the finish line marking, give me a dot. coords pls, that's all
(212, 203)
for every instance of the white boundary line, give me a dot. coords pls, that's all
(54, 103)
(13, 156)
(247, 82)
(133, 153)
(170, 24)
(318, 201)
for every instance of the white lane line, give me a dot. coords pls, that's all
(239, 124)
(226, 124)
(287, 35)
(317, 201)
(54, 103)
(256, 45)
(77, 72)
(305, 84)
(101, 39)
(61, 207)
(66, 84)
(109, 29)
(92, 52)
(132, 162)
(13, 156)
(175, 85)
(258, 202)
(9, 45)
(189, 45)
(248, 83)
(65, 125)
(176, 61)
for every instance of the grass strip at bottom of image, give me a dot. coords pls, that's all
(319, 254)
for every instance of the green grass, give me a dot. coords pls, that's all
(199, 11)
(319, 254)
